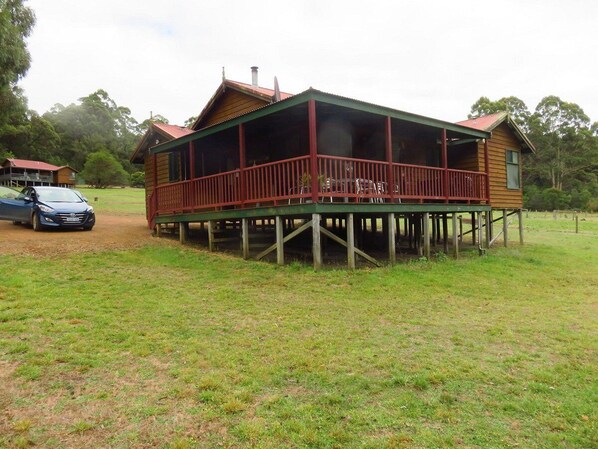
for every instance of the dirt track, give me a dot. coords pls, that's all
(111, 232)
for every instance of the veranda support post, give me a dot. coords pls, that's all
(211, 225)
(488, 226)
(392, 255)
(245, 237)
(279, 241)
(183, 231)
(455, 237)
(313, 149)
(350, 242)
(520, 218)
(480, 232)
(505, 228)
(426, 226)
(316, 244)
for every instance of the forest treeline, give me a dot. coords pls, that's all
(97, 136)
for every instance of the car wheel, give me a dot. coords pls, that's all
(88, 228)
(16, 222)
(37, 226)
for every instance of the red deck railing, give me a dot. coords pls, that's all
(277, 181)
(339, 179)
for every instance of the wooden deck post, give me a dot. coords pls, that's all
(313, 150)
(392, 252)
(426, 219)
(487, 169)
(520, 218)
(245, 237)
(183, 231)
(445, 233)
(211, 225)
(445, 177)
(158, 230)
(316, 244)
(505, 228)
(455, 237)
(242, 161)
(191, 161)
(350, 242)
(473, 228)
(488, 223)
(279, 241)
(480, 232)
(390, 173)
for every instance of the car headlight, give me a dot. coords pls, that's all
(44, 208)
(89, 209)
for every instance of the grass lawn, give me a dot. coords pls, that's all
(173, 347)
(125, 201)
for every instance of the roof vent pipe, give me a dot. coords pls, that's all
(254, 76)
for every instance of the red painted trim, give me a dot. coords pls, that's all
(242, 157)
(487, 169)
(390, 174)
(445, 166)
(313, 149)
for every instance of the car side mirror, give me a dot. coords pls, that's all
(28, 199)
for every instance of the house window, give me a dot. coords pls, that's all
(174, 166)
(513, 173)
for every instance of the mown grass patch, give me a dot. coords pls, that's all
(121, 201)
(170, 346)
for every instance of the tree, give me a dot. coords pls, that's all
(138, 179)
(102, 170)
(567, 148)
(513, 105)
(96, 123)
(190, 121)
(16, 23)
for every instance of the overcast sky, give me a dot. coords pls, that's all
(432, 57)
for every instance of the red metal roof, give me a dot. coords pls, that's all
(261, 91)
(173, 130)
(30, 165)
(484, 123)
(491, 121)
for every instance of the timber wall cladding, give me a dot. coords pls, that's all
(162, 168)
(229, 105)
(149, 177)
(502, 139)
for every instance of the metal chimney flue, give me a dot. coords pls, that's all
(254, 76)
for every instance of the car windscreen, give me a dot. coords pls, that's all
(58, 196)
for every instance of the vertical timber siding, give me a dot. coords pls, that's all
(63, 176)
(502, 139)
(229, 105)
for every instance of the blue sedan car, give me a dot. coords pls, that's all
(48, 207)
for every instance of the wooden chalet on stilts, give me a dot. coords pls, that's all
(23, 173)
(262, 168)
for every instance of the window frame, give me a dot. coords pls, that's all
(511, 164)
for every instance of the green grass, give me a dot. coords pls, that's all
(123, 201)
(172, 347)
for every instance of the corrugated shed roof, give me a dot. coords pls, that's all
(168, 131)
(491, 121)
(30, 165)
(261, 91)
(174, 131)
(486, 122)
